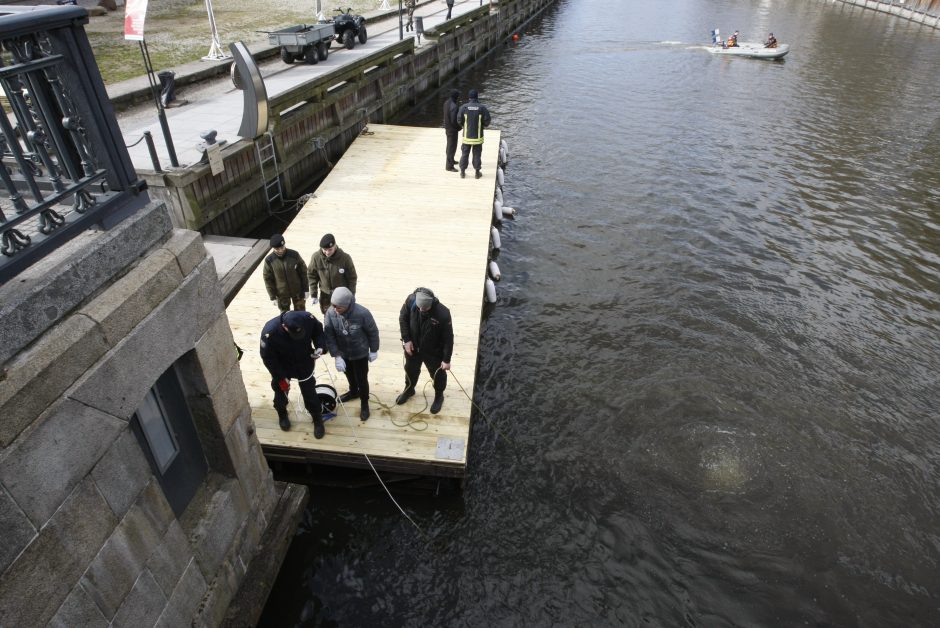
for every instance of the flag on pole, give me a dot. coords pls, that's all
(135, 12)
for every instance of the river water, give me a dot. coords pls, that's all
(711, 379)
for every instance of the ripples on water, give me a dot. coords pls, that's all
(713, 368)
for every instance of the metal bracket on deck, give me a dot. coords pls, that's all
(450, 448)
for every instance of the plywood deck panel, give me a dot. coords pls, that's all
(406, 222)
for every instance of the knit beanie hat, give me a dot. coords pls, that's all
(341, 297)
(423, 300)
(277, 240)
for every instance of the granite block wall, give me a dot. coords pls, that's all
(89, 537)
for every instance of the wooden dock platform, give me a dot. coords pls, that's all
(406, 222)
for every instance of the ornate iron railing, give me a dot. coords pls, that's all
(64, 164)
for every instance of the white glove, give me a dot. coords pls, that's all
(313, 301)
(373, 355)
(317, 353)
(341, 365)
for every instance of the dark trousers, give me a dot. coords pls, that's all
(451, 150)
(308, 389)
(465, 156)
(284, 303)
(324, 301)
(413, 370)
(357, 374)
(449, 9)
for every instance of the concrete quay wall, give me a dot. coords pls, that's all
(926, 12)
(95, 532)
(313, 123)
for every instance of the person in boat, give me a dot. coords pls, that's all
(427, 336)
(771, 41)
(733, 40)
(290, 344)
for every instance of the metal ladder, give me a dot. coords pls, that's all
(270, 177)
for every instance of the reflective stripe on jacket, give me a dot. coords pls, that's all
(472, 118)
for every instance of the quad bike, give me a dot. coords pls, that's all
(348, 28)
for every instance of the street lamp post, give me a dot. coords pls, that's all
(401, 28)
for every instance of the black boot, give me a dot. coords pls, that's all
(364, 412)
(405, 395)
(283, 420)
(318, 429)
(352, 394)
(479, 175)
(438, 402)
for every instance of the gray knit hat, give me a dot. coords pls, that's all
(341, 297)
(423, 299)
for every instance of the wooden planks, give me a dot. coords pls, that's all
(406, 222)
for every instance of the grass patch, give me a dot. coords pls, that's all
(178, 32)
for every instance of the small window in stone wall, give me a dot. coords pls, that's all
(165, 430)
(155, 425)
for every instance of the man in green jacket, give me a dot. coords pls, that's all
(285, 276)
(330, 268)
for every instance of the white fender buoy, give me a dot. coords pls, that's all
(494, 237)
(509, 212)
(497, 212)
(504, 151)
(490, 290)
(499, 195)
(500, 177)
(502, 156)
(494, 271)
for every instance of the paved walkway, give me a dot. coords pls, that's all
(219, 105)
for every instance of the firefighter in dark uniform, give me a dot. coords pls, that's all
(290, 345)
(427, 336)
(285, 276)
(472, 117)
(451, 130)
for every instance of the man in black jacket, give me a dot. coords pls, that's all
(290, 344)
(451, 129)
(427, 336)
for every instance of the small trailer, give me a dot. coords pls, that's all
(310, 42)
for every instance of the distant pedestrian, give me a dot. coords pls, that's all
(451, 130)
(330, 268)
(410, 5)
(472, 117)
(353, 340)
(450, 7)
(290, 344)
(427, 336)
(285, 276)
